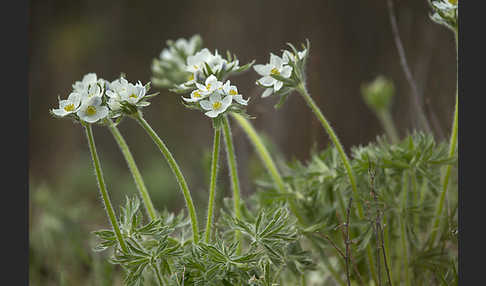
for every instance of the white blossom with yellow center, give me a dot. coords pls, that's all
(211, 84)
(277, 66)
(216, 105)
(69, 105)
(91, 110)
(232, 91)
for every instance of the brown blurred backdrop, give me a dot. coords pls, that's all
(351, 43)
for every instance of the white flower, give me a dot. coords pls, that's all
(210, 85)
(134, 93)
(289, 56)
(196, 95)
(69, 105)
(215, 105)
(216, 62)
(277, 66)
(196, 62)
(91, 91)
(232, 90)
(91, 110)
(89, 80)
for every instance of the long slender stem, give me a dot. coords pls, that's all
(344, 158)
(177, 172)
(137, 177)
(447, 174)
(266, 160)
(403, 234)
(157, 274)
(389, 126)
(235, 182)
(212, 184)
(102, 187)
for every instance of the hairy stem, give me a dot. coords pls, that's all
(389, 126)
(448, 168)
(235, 182)
(267, 160)
(177, 172)
(102, 187)
(403, 234)
(344, 158)
(157, 274)
(212, 184)
(137, 177)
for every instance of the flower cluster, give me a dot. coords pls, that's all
(170, 68)
(203, 64)
(206, 86)
(445, 13)
(215, 97)
(94, 99)
(282, 74)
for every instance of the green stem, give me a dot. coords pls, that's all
(452, 149)
(266, 160)
(344, 158)
(403, 234)
(102, 187)
(177, 172)
(235, 183)
(137, 177)
(386, 239)
(157, 274)
(390, 129)
(212, 184)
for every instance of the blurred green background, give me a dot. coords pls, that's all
(351, 44)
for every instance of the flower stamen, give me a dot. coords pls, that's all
(69, 107)
(91, 110)
(217, 105)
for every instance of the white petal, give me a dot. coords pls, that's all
(263, 69)
(205, 104)
(278, 85)
(239, 98)
(286, 71)
(214, 97)
(267, 92)
(60, 112)
(267, 81)
(212, 113)
(275, 61)
(226, 102)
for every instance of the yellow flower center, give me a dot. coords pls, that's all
(91, 110)
(275, 71)
(217, 105)
(191, 77)
(454, 2)
(133, 95)
(233, 92)
(208, 86)
(69, 107)
(197, 94)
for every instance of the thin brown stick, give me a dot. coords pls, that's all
(355, 268)
(416, 99)
(378, 229)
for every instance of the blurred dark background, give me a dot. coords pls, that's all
(351, 44)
